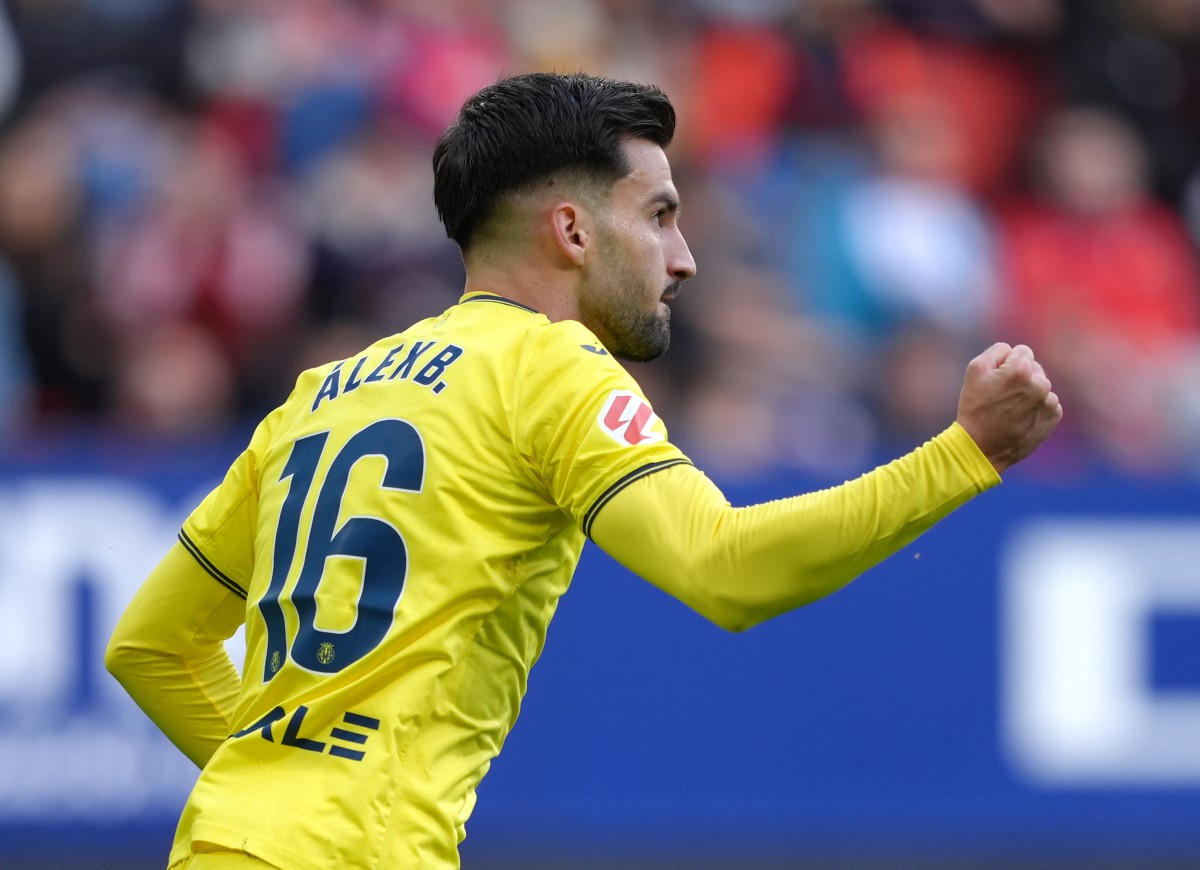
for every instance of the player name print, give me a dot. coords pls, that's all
(628, 419)
(408, 363)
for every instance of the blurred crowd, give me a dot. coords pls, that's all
(198, 198)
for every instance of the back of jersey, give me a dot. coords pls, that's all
(403, 527)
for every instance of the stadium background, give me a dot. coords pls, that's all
(198, 198)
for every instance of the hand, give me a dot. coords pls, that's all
(1007, 404)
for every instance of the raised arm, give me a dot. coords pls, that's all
(741, 566)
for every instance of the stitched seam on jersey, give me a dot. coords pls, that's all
(266, 848)
(502, 301)
(629, 478)
(529, 350)
(517, 581)
(201, 686)
(215, 572)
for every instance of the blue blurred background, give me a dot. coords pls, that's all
(197, 199)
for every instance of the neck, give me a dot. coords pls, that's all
(544, 290)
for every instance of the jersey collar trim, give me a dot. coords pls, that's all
(480, 296)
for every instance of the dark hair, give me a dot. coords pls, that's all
(526, 127)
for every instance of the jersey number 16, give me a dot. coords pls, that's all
(373, 541)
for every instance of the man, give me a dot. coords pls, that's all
(398, 533)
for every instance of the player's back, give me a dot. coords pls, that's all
(395, 521)
(416, 516)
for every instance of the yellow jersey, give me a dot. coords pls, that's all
(401, 529)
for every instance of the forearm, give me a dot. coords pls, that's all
(741, 566)
(168, 652)
(189, 697)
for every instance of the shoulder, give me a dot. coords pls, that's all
(567, 359)
(571, 339)
(512, 328)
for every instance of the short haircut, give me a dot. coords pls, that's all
(527, 127)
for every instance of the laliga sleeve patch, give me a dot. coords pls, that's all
(628, 419)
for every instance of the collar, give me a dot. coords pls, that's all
(483, 296)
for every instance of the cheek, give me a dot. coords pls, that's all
(653, 250)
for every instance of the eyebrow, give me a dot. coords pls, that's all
(668, 200)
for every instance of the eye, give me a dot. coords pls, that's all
(658, 216)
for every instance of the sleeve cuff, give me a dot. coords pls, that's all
(966, 453)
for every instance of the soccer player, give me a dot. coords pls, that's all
(397, 534)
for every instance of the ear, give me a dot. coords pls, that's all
(571, 226)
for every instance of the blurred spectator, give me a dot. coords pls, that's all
(43, 239)
(744, 73)
(986, 61)
(174, 379)
(211, 247)
(379, 255)
(288, 82)
(919, 241)
(1104, 281)
(560, 34)
(1141, 59)
(767, 383)
(922, 248)
(774, 388)
(429, 57)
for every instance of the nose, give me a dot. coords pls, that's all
(679, 260)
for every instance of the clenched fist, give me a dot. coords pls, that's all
(1007, 404)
